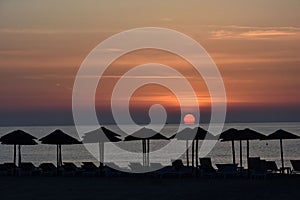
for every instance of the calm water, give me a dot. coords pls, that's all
(221, 152)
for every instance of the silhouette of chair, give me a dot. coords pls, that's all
(226, 170)
(257, 167)
(28, 169)
(69, 169)
(11, 168)
(296, 166)
(271, 167)
(89, 169)
(3, 170)
(48, 169)
(206, 168)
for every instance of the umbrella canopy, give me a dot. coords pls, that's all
(58, 138)
(18, 137)
(281, 135)
(145, 135)
(230, 135)
(101, 136)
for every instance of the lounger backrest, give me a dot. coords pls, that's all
(271, 165)
(254, 163)
(295, 165)
(205, 162)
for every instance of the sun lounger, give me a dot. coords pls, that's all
(226, 170)
(70, 169)
(11, 168)
(3, 170)
(48, 169)
(89, 169)
(257, 168)
(296, 166)
(111, 169)
(28, 169)
(206, 168)
(271, 167)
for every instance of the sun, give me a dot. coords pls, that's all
(189, 119)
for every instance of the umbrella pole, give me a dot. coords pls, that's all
(241, 154)
(60, 155)
(57, 162)
(193, 151)
(233, 151)
(248, 158)
(19, 147)
(196, 154)
(15, 154)
(281, 152)
(143, 147)
(187, 153)
(148, 152)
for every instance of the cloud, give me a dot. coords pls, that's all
(255, 33)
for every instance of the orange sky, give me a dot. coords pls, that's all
(255, 45)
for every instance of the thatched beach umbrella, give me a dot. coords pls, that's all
(18, 137)
(281, 135)
(101, 135)
(230, 135)
(240, 135)
(59, 138)
(249, 134)
(195, 135)
(145, 135)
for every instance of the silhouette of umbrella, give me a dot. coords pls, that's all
(230, 135)
(195, 135)
(145, 135)
(248, 134)
(240, 135)
(18, 137)
(280, 135)
(59, 138)
(101, 136)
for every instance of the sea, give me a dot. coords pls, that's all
(122, 153)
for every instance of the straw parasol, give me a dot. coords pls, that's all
(145, 135)
(101, 135)
(18, 137)
(59, 138)
(249, 134)
(195, 135)
(281, 135)
(230, 135)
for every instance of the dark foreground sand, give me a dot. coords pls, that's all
(142, 188)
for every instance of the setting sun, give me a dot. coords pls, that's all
(189, 119)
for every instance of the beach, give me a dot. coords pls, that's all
(280, 187)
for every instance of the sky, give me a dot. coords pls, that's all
(255, 45)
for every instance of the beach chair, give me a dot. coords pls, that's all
(111, 169)
(3, 170)
(70, 169)
(89, 169)
(206, 168)
(296, 166)
(48, 169)
(11, 168)
(28, 169)
(257, 168)
(177, 170)
(271, 167)
(226, 170)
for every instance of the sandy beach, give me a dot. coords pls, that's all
(148, 188)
